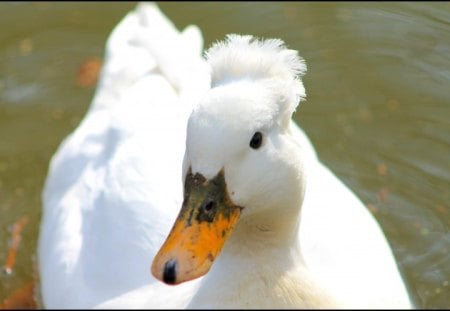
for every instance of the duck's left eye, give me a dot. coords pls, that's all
(256, 141)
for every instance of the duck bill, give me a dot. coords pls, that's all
(206, 220)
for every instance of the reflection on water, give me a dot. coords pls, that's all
(378, 109)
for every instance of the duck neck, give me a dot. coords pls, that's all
(261, 266)
(271, 236)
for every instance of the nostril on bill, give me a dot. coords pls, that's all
(170, 273)
(209, 205)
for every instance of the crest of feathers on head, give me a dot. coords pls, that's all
(245, 57)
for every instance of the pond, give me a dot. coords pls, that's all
(377, 109)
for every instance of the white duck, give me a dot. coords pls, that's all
(301, 238)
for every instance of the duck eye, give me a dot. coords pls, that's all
(256, 141)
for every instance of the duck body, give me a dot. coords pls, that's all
(115, 186)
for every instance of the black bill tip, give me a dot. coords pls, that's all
(170, 272)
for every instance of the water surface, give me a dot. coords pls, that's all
(377, 109)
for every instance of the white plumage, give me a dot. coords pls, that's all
(115, 185)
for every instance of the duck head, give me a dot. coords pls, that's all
(241, 160)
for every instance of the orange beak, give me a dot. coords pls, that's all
(206, 219)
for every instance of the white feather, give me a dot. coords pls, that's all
(114, 186)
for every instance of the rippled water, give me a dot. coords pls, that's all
(378, 109)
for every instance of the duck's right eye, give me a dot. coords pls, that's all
(256, 140)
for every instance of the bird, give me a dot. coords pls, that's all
(188, 185)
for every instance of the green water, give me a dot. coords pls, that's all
(378, 109)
